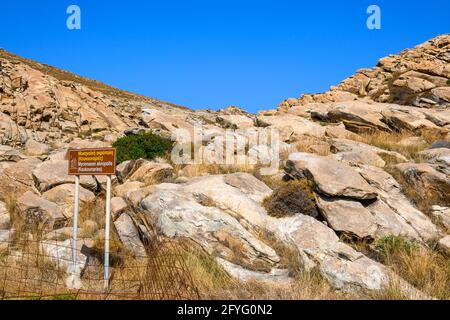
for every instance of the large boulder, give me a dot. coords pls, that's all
(129, 236)
(63, 195)
(53, 173)
(394, 212)
(17, 179)
(345, 268)
(118, 206)
(356, 115)
(275, 276)
(348, 217)
(168, 124)
(235, 121)
(35, 209)
(186, 212)
(241, 194)
(151, 173)
(330, 177)
(36, 149)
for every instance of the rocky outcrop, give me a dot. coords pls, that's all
(427, 179)
(63, 196)
(183, 213)
(417, 77)
(330, 177)
(53, 173)
(361, 201)
(129, 236)
(17, 179)
(344, 267)
(36, 210)
(364, 116)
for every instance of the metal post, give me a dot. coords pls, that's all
(75, 225)
(107, 231)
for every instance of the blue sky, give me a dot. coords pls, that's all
(215, 53)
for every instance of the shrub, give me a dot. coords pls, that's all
(448, 82)
(390, 246)
(295, 197)
(420, 266)
(141, 146)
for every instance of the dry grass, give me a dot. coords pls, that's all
(310, 286)
(426, 270)
(192, 171)
(313, 145)
(390, 141)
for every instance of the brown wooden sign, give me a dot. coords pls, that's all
(92, 162)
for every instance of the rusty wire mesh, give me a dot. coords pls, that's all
(39, 269)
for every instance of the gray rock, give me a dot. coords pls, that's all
(36, 149)
(275, 276)
(118, 206)
(181, 212)
(53, 173)
(63, 195)
(331, 178)
(38, 210)
(345, 268)
(10, 154)
(394, 212)
(5, 239)
(60, 254)
(348, 217)
(129, 236)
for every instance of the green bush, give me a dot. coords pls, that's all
(141, 146)
(392, 245)
(448, 82)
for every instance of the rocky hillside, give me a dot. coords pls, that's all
(359, 198)
(416, 77)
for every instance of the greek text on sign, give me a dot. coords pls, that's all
(92, 162)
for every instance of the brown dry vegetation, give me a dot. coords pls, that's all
(425, 269)
(313, 145)
(192, 171)
(294, 197)
(390, 141)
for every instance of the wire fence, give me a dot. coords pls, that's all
(42, 268)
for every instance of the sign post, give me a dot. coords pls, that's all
(75, 225)
(107, 231)
(92, 162)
